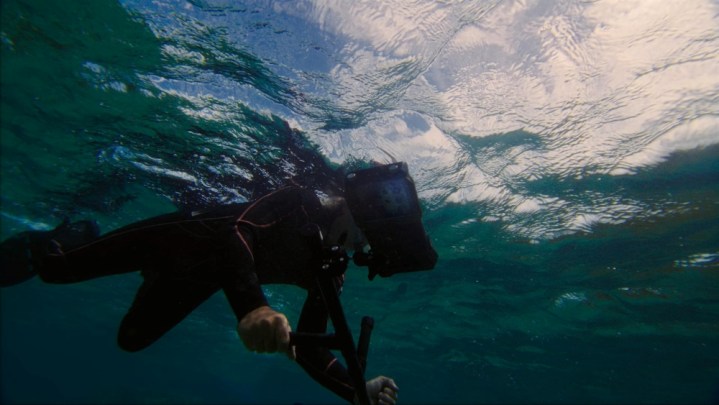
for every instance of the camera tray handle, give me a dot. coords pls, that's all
(330, 262)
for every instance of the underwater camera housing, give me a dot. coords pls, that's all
(384, 204)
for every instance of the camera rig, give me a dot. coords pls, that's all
(384, 204)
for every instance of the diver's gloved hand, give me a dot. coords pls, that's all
(265, 330)
(381, 391)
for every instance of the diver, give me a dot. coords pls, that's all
(186, 257)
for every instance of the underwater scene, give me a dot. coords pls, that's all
(565, 154)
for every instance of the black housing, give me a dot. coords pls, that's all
(384, 204)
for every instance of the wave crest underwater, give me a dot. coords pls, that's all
(565, 153)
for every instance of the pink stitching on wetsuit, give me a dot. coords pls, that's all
(330, 364)
(241, 219)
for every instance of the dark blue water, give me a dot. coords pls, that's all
(566, 155)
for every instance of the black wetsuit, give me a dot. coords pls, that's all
(187, 257)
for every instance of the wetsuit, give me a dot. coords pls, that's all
(187, 257)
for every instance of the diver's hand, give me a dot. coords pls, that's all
(381, 391)
(265, 330)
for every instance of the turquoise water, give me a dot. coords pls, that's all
(566, 155)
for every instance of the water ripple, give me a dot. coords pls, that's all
(599, 90)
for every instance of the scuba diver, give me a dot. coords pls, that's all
(186, 257)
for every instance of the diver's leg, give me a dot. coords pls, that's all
(176, 284)
(21, 255)
(172, 289)
(142, 245)
(161, 303)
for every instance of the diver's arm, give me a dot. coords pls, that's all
(244, 293)
(261, 329)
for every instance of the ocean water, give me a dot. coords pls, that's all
(566, 154)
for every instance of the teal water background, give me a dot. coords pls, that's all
(566, 155)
